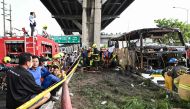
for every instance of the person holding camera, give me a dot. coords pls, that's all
(32, 22)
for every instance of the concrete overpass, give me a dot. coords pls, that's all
(88, 17)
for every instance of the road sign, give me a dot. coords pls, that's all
(73, 39)
(66, 39)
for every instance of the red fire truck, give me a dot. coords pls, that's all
(38, 45)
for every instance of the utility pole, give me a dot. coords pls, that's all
(10, 20)
(187, 13)
(3, 17)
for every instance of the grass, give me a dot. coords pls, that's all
(116, 89)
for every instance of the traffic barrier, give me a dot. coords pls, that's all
(42, 94)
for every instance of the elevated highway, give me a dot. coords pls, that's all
(88, 17)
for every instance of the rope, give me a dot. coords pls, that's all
(42, 94)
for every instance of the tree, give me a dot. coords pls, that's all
(175, 23)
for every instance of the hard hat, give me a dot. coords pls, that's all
(58, 55)
(45, 26)
(61, 54)
(6, 59)
(94, 46)
(173, 60)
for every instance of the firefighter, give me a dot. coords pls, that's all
(183, 84)
(89, 62)
(168, 74)
(95, 55)
(56, 59)
(44, 32)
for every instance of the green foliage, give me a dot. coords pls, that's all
(175, 23)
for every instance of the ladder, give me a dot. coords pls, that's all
(29, 44)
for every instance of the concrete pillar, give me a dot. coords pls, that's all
(85, 38)
(97, 22)
(91, 22)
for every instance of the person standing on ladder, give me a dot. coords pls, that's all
(32, 22)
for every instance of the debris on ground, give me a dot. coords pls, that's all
(103, 102)
(111, 89)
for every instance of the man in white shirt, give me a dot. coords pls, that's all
(32, 22)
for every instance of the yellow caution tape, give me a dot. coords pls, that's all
(42, 94)
(156, 75)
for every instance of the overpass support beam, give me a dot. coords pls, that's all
(97, 22)
(85, 38)
(91, 22)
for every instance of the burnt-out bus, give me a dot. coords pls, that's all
(149, 48)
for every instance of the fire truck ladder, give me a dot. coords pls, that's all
(29, 44)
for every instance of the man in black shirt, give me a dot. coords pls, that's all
(21, 84)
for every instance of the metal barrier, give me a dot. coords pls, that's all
(39, 96)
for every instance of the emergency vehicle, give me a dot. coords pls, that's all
(37, 45)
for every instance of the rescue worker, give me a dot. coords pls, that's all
(89, 63)
(95, 56)
(168, 73)
(44, 31)
(56, 59)
(183, 84)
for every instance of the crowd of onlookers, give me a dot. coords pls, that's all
(33, 75)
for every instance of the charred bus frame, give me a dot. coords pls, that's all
(155, 33)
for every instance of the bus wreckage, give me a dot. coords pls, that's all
(149, 49)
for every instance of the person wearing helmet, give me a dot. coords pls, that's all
(169, 74)
(44, 31)
(94, 46)
(182, 82)
(95, 56)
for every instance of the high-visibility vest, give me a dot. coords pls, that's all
(168, 82)
(183, 84)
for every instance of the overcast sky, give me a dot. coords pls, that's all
(140, 14)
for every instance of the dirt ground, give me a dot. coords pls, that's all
(111, 89)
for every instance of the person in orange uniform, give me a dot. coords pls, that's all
(183, 84)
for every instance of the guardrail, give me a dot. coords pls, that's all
(65, 80)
